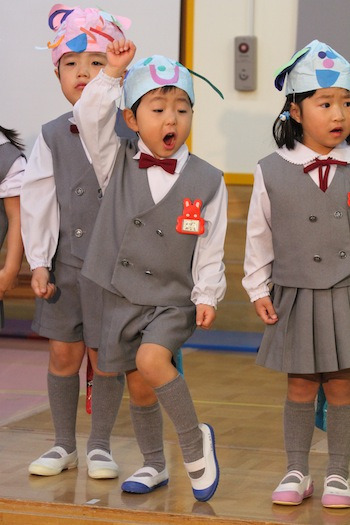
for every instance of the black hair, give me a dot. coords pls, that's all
(286, 132)
(13, 136)
(164, 89)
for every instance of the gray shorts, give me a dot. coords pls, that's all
(125, 326)
(74, 313)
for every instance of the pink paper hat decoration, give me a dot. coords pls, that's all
(80, 30)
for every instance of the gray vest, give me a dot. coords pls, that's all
(135, 251)
(8, 154)
(77, 190)
(310, 228)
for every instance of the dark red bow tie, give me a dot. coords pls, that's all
(74, 128)
(146, 161)
(320, 163)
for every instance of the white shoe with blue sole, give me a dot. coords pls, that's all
(145, 480)
(204, 487)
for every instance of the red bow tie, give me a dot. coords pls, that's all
(146, 161)
(323, 177)
(74, 128)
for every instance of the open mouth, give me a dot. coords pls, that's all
(337, 130)
(169, 139)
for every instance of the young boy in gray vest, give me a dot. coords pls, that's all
(157, 245)
(60, 201)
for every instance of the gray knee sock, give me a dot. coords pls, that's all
(338, 436)
(299, 422)
(177, 402)
(148, 427)
(107, 393)
(63, 396)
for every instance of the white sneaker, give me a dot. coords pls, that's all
(45, 466)
(204, 487)
(336, 496)
(293, 493)
(99, 468)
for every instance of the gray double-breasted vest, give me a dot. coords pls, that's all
(135, 250)
(310, 228)
(8, 154)
(77, 190)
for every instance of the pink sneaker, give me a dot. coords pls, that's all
(338, 495)
(293, 492)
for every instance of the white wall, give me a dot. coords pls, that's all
(235, 133)
(29, 91)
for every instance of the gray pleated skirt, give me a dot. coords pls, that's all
(312, 334)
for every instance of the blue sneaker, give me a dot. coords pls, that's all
(204, 487)
(145, 480)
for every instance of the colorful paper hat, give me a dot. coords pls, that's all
(315, 66)
(81, 30)
(154, 72)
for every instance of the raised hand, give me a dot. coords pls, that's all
(119, 55)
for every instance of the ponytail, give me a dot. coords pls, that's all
(13, 137)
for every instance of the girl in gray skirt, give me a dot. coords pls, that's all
(297, 264)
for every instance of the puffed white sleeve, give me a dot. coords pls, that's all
(95, 116)
(259, 252)
(40, 216)
(11, 184)
(208, 268)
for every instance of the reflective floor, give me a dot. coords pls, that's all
(243, 403)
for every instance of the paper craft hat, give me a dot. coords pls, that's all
(315, 66)
(154, 72)
(80, 30)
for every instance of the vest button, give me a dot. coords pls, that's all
(78, 232)
(148, 272)
(160, 233)
(137, 222)
(99, 193)
(79, 191)
(125, 263)
(338, 214)
(317, 258)
(342, 254)
(313, 218)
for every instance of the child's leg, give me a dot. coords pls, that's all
(147, 420)
(63, 391)
(196, 441)
(337, 490)
(299, 422)
(107, 394)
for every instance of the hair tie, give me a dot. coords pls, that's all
(284, 116)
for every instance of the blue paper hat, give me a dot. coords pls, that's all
(154, 72)
(315, 66)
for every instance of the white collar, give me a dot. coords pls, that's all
(303, 155)
(181, 155)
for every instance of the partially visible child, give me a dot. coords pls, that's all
(298, 242)
(12, 165)
(157, 246)
(60, 200)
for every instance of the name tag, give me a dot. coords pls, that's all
(190, 221)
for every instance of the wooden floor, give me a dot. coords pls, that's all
(242, 401)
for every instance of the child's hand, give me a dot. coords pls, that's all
(40, 283)
(119, 55)
(205, 315)
(265, 310)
